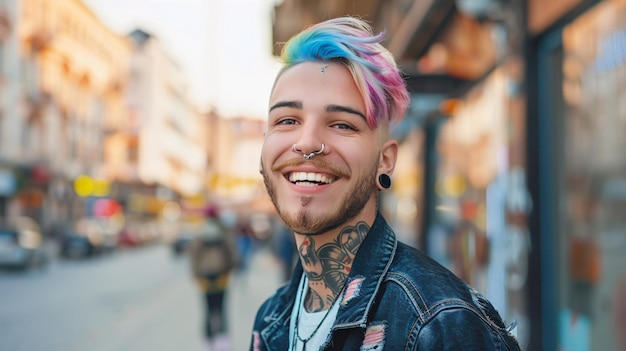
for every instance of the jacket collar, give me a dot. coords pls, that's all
(368, 271)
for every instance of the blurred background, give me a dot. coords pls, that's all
(122, 121)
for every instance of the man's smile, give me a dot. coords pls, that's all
(315, 172)
(310, 178)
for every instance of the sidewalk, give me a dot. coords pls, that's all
(248, 291)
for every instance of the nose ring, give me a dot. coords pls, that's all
(307, 156)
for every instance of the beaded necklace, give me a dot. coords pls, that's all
(297, 320)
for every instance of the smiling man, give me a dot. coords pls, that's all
(327, 154)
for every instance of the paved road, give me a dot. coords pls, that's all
(132, 300)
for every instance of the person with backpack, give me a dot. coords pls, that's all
(213, 255)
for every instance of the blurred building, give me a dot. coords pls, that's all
(515, 133)
(65, 77)
(164, 138)
(9, 88)
(87, 113)
(235, 152)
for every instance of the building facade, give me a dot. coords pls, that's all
(234, 154)
(66, 81)
(166, 144)
(9, 89)
(88, 113)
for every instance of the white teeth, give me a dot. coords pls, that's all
(300, 177)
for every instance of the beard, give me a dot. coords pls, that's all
(307, 223)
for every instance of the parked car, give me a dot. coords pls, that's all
(130, 236)
(136, 233)
(21, 243)
(88, 237)
(75, 245)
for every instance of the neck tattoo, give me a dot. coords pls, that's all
(327, 267)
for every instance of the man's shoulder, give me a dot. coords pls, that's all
(420, 275)
(432, 288)
(414, 262)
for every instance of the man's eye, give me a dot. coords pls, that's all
(343, 126)
(287, 121)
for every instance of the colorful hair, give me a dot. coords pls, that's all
(351, 41)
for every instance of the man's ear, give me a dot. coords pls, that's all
(388, 157)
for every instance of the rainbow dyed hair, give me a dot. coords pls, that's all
(351, 42)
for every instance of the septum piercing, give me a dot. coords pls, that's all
(307, 156)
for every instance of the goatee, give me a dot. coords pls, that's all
(304, 221)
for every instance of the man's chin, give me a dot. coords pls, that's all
(308, 222)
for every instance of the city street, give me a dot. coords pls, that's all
(135, 300)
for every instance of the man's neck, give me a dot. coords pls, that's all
(327, 260)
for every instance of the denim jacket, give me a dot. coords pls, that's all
(396, 298)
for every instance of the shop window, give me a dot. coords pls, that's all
(592, 200)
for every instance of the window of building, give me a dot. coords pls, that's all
(592, 178)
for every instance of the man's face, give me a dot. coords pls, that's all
(310, 107)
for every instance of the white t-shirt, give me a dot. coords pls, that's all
(309, 321)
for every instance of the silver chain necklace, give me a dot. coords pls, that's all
(297, 321)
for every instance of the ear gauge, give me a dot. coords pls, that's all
(384, 181)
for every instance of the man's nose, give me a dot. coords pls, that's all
(310, 140)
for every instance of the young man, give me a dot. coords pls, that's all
(327, 154)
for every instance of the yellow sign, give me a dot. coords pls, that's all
(84, 186)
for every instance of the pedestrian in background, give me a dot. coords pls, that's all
(213, 256)
(245, 240)
(284, 247)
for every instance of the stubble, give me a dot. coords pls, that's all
(305, 221)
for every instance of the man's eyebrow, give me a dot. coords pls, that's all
(339, 108)
(292, 104)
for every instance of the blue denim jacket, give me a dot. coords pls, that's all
(396, 298)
